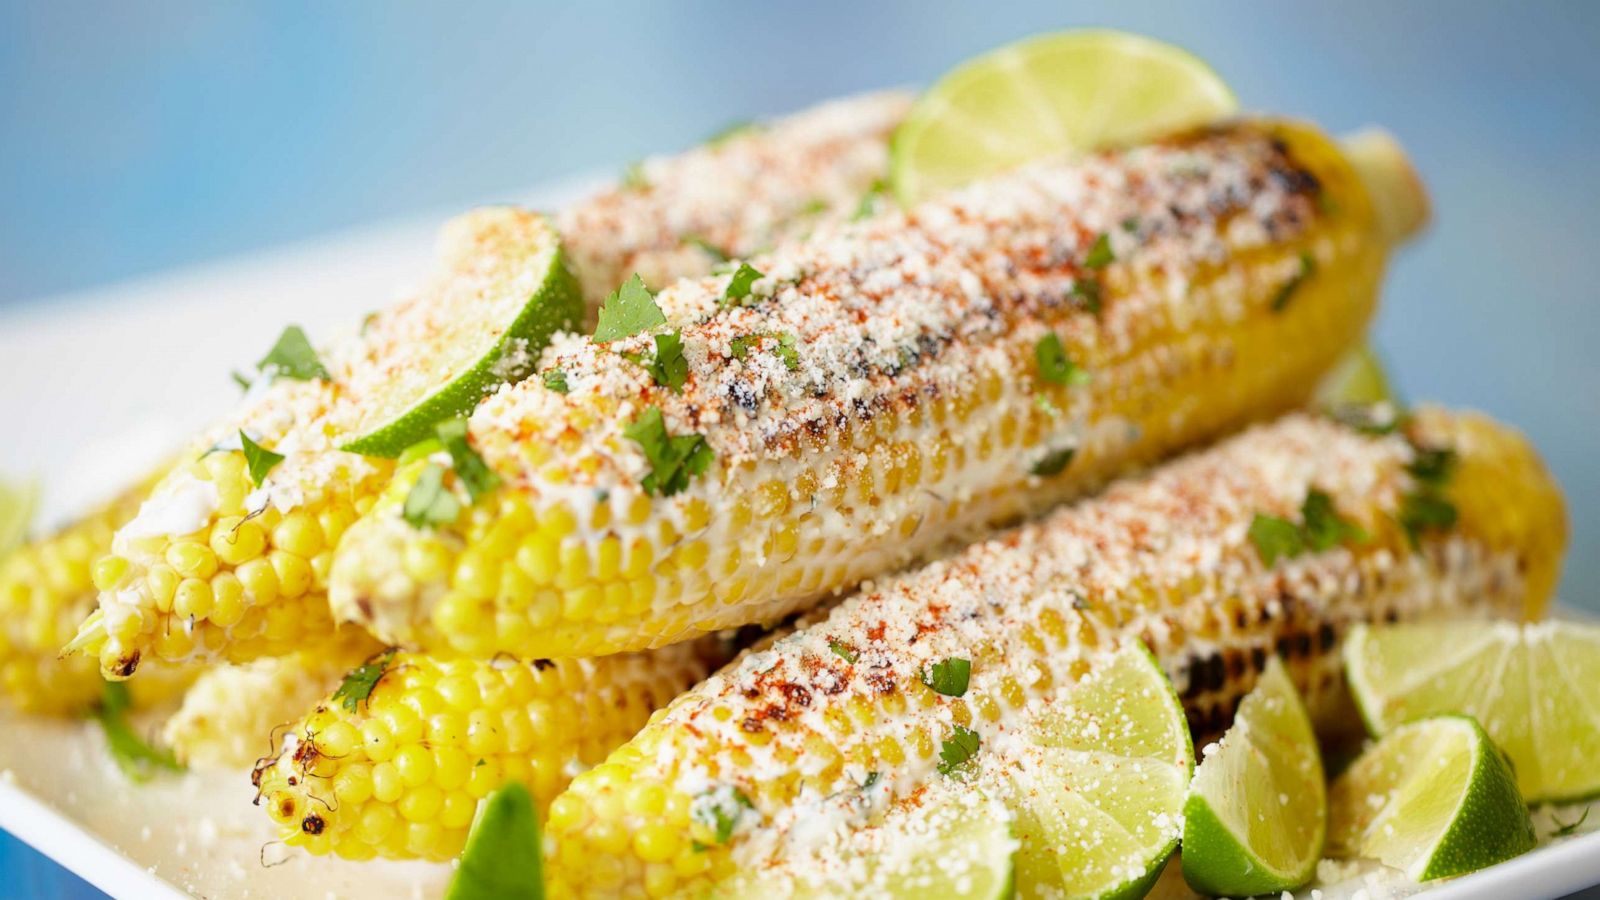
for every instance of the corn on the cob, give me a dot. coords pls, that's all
(675, 217)
(397, 772)
(1170, 558)
(45, 591)
(887, 386)
(229, 710)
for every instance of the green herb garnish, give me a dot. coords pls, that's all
(468, 465)
(712, 250)
(1276, 538)
(556, 380)
(293, 357)
(1308, 266)
(721, 809)
(633, 177)
(1323, 528)
(430, 503)
(1085, 293)
(361, 681)
(673, 459)
(1054, 462)
(949, 677)
(1422, 511)
(871, 200)
(956, 749)
(627, 311)
(1054, 366)
(1432, 466)
(739, 347)
(1100, 254)
(138, 758)
(738, 289)
(842, 651)
(240, 380)
(257, 459)
(667, 367)
(503, 859)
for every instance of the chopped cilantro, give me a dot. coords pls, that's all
(293, 357)
(949, 677)
(667, 367)
(1323, 528)
(240, 380)
(430, 503)
(842, 651)
(1425, 510)
(738, 289)
(716, 253)
(361, 681)
(1130, 224)
(556, 380)
(628, 310)
(136, 757)
(1308, 265)
(739, 347)
(956, 749)
(258, 459)
(816, 206)
(1276, 538)
(468, 465)
(732, 130)
(871, 200)
(1100, 254)
(633, 177)
(673, 459)
(1085, 293)
(1054, 462)
(1432, 466)
(721, 809)
(1054, 366)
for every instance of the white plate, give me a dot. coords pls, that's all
(97, 387)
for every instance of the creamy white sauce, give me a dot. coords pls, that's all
(185, 507)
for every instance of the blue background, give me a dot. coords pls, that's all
(136, 137)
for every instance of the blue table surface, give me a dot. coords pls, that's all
(137, 137)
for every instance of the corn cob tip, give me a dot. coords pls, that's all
(1398, 194)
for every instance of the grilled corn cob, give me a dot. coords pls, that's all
(793, 732)
(230, 707)
(886, 387)
(394, 764)
(45, 591)
(675, 217)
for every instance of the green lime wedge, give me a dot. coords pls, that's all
(1254, 823)
(1535, 689)
(1433, 798)
(1359, 380)
(1099, 795)
(17, 503)
(502, 289)
(504, 856)
(949, 840)
(1069, 91)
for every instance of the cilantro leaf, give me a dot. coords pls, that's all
(628, 310)
(673, 459)
(1085, 293)
(1276, 538)
(240, 380)
(1054, 366)
(716, 253)
(360, 682)
(738, 289)
(430, 503)
(1323, 528)
(1100, 254)
(556, 380)
(871, 201)
(1054, 463)
(258, 459)
(667, 367)
(468, 465)
(136, 757)
(1308, 265)
(842, 650)
(721, 809)
(814, 207)
(955, 750)
(1432, 466)
(293, 357)
(739, 347)
(949, 677)
(1423, 511)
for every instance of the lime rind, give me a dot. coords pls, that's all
(1062, 92)
(1271, 750)
(407, 412)
(1360, 379)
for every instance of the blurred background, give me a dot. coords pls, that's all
(138, 137)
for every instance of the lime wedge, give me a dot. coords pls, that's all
(1064, 92)
(1433, 798)
(17, 503)
(1359, 380)
(1099, 794)
(504, 856)
(502, 289)
(1254, 823)
(948, 840)
(1535, 689)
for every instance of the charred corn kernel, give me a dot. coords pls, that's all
(230, 711)
(1175, 543)
(434, 735)
(753, 190)
(1245, 262)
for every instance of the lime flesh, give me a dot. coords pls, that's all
(1534, 688)
(1359, 380)
(1057, 93)
(1433, 798)
(1254, 821)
